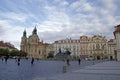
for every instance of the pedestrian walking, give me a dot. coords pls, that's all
(18, 61)
(79, 61)
(68, 62)
(6, 58)
(32, 61)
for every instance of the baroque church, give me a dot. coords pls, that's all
(32, 45)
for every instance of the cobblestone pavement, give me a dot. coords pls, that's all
(50, 70)
(109, 70)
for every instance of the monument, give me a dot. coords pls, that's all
(62, 55)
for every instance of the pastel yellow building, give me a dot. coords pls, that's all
(33, 46)
(95, 47)
(98, 47)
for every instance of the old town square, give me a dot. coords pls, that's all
(59, 40)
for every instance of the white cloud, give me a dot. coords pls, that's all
(60, 19)
(75, 5)
(109, 4)
(56, 20)
(10, 33)
(81, 5)
(49, 8)
(3, 23)
(16, 16)
(79, 23)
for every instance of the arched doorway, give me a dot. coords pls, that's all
(98, 57)
(111, 57)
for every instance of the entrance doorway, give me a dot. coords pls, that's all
(98, 57)
(111, 58)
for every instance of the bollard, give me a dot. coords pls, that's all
(64, 69)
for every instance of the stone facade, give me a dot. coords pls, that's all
(117, 37)
(33, 46)
(96, 47)
(67, 44)
(84, 40)
(111, 49)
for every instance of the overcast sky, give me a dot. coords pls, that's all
(57, 19)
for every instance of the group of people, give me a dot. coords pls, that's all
(5, 58)
(68, 61)
(17, 60)
(32, 60)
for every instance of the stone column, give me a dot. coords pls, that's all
(117, 37)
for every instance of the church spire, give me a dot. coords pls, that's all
(34, 31)
(24, 33)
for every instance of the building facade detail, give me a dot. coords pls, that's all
(112, 49)
(85, 47)
(98, 47)
(71, 45)
(33, 46)
(84, 40)
(117, 37)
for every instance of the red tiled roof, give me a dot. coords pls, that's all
(111, 40)
(41, 43)
(46, 44)
(2, 44)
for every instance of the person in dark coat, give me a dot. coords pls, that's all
(79, 61)
(68, 62)
(6, 58)
(18, 61)
(32, 61)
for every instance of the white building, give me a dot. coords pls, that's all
(68, 44)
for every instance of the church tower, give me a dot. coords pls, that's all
(33, 43)
(34, 37)
(23, 45)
